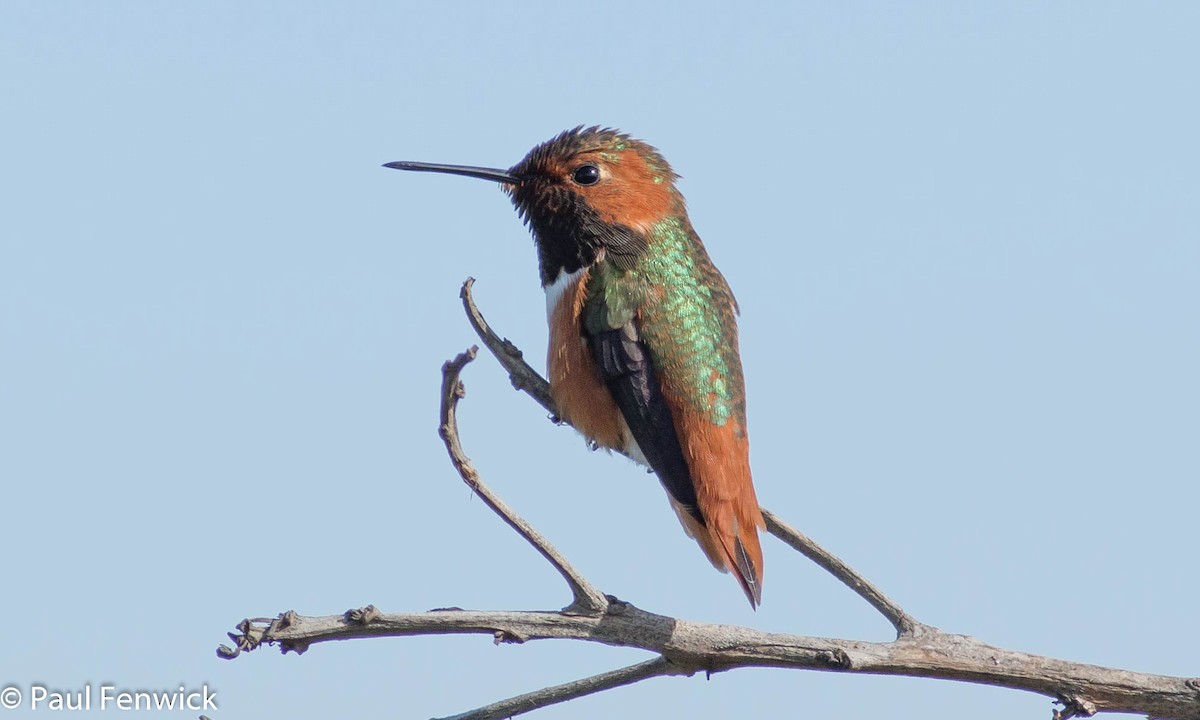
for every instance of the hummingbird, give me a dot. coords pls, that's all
(643, 345)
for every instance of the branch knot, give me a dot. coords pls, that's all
(1074, 705)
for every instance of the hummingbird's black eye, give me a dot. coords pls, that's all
(587, 175)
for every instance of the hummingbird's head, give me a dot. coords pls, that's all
(584, 193)
(622, 180)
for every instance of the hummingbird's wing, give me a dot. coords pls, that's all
(624, 363)
(676, 380)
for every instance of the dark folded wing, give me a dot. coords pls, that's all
(624, 362)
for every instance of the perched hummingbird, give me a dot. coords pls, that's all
(643, 351)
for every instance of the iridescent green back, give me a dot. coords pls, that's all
(687, 319)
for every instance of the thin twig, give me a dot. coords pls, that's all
(905, 624)
(522, 376)
(658, 667)
(684, 647)
(527, 380)
(587, 599)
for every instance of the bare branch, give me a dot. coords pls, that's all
(587, 599)
(522, 376)
(545, 697)
(683, 648)
(904, 623)
(694, 647)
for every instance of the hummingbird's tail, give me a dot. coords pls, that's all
(718, 459)
(747, 560)
(736, 550)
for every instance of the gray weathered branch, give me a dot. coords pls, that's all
(520, 374)
(904, 623)
(683, 648)
(587, 599)
(658, 667)
(700, 647)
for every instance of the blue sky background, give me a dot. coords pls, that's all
(964, 237)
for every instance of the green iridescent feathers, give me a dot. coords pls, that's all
(686, 316)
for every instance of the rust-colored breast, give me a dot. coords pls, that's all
(575, 382)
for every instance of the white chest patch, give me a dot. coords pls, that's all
(633, 450)
(555, 290)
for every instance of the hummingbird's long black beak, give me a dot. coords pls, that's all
(500, 176)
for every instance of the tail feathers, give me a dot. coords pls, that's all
(737, 551)
(743, 556)
(747, 574)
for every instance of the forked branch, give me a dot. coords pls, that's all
(683, 648)
(528, 381)
(689, 647)
(587, 599)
